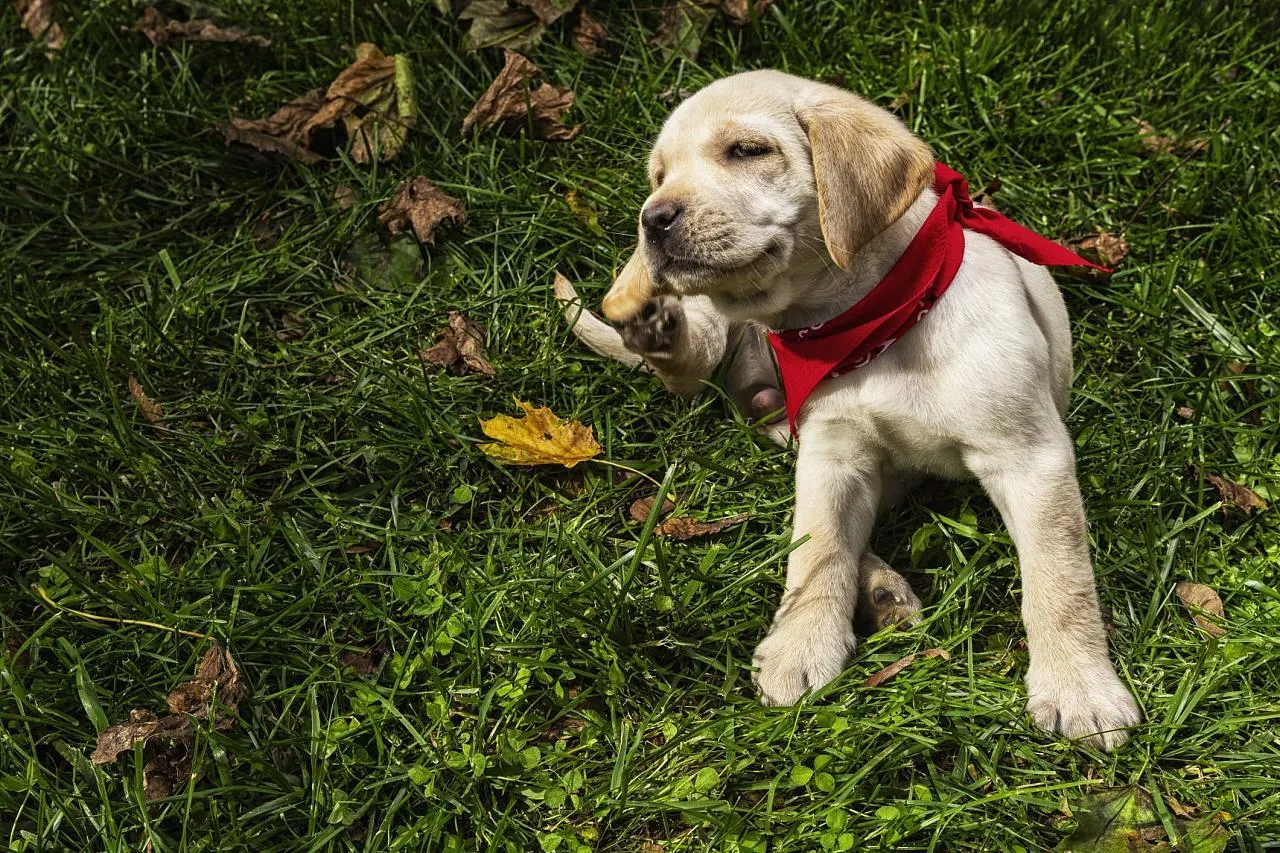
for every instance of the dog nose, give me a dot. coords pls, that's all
(658, 219)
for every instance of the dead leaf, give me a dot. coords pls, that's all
(516, 24)
(151, 409)
(878, 678)
(1107, 249)
(363, 548)
(589, 35)
(161, 29)
(584, 211)
(538, 438)
(37, 17)
(741, 13)
(681, 26)
(422, 206)
(362, 662)
(511, 106)
(13, 651)
(1201, 600)
(1186, 412)
(983, 196)
(683, 528)
(460, 348)
(639, 510)
(292, 327)
(372, 100)
(1152, 141)
(345, 196)
(1233, 493)
(215, 693)
(1124, 820)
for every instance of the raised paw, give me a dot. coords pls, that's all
(1091, 705)
(798, 656)
(653, 329)
(884, 596)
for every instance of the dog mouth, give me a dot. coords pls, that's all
(682, 274)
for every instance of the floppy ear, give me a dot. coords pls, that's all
(631, 290)
(868, 169)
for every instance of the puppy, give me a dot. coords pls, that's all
(780, 203)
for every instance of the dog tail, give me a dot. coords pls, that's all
(598, 335)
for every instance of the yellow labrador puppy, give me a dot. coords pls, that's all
(779, 203)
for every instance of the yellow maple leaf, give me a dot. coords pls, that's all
(540, 437)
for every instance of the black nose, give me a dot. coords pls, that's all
(658, 219)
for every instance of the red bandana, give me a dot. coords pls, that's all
(919, 278)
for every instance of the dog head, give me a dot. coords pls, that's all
(760, 173)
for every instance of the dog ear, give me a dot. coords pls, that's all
(633, 287)
(867, 167)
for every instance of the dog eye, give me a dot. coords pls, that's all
(743, 150)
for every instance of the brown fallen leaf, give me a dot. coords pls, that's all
(682, 528)
(1186, 412)
(1152, 141)
(460, 349)
(345, 196)
(639, 510)
(372, 100)
(1203, 602)
(161, 29)
(37, 18)
(516, 24)
(741, 13)
(168, 741)
(420, 205)
(364, 662)
(540, 437)
(589, 35)
(292, 327)
(983, 196)
(1108, 249)
(14, 653)
(1233, 493)
(878, 678)
(151, 409)
(681, 26)
(510, 105)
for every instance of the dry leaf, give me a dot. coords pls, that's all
(1186, 412)
(983, 196)
(372, 99)
(1125, 820)
(681, 26)
(161, 29)
(362, 662)
(168, 741)
(741, 13)
(460, 348)
(589, 35)
(878, 678)
(683, 528)
(639, 510)
(292, 327)
(538, 438)
(1108, 249)
(345, 196)
(516, 24)
(584, 211)
(151, 410)
(420, 205)
(511, 106)
(37, 17)
(1201, 600)
(1233, 493)
(1153, 141)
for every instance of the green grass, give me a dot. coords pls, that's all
(547, 675)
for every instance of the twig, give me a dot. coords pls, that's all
(39, 590)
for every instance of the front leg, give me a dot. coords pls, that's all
(837, 491)
(1072, 687)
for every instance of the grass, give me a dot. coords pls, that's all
(546, 678)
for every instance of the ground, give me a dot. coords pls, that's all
(545, 675)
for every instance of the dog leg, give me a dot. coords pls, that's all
(884, 596)
(1072, 687)
(837, 491)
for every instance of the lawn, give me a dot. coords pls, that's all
(445, 653)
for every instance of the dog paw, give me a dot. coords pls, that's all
(653, 330)
(1092, 706)
(795, 659)
(886, 598)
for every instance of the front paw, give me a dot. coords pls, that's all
(795, 658)
(653, 330)
(1087, 704)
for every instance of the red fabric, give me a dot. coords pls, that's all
(902, 299)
